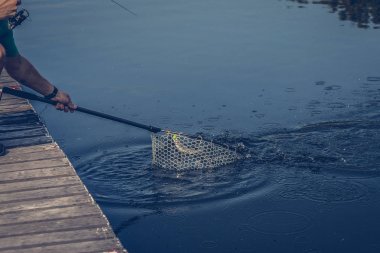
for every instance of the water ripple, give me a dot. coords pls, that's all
(342, 149)
(338, 146)
(125, 176)
(323, 190)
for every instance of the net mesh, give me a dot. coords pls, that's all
(177, 151)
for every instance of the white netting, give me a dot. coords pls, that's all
(177, 151)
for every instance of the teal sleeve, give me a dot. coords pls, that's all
(7, 40)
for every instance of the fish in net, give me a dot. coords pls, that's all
(177, 151)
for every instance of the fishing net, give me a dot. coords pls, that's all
(178, 151)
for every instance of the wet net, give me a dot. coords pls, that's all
(177, 151)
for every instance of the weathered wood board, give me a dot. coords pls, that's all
(44, 206)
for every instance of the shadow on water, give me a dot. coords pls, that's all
(365, 13)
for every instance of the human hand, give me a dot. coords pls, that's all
(64, 102)
(8, 8)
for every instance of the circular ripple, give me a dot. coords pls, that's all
(124, 175)
(279, 222)
(334, 191)
(323, 190)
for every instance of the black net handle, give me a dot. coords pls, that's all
(27, 95)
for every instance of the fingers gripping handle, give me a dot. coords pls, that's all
(27, 95)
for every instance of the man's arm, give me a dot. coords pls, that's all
(24, 72)
(8, 8)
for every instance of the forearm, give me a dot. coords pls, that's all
(24, 72)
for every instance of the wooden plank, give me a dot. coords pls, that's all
(8, 82)
(79, 246)
(15, 135)
(13, 102)
(44, 206)
(10, 98)
(36, 174)
(15, 109)
(35, 148)
(48, 163)
(33, 240)
(34, 207)
(44, 203)
(42, 194)
(38, 184)
(19, 120)
(16, 157)
(5, 74)
(55, 225)
(23, 134)
(15, 114)
(32, 156)
(38, 164)
(27, 141)
(71, 207)
(19, 127)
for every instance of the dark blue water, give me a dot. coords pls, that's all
(297, 84)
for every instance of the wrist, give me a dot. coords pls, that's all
(52, 94)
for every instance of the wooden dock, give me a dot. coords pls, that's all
(44, 206)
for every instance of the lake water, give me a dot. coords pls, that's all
(298, 84)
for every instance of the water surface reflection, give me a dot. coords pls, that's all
(365, 13)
